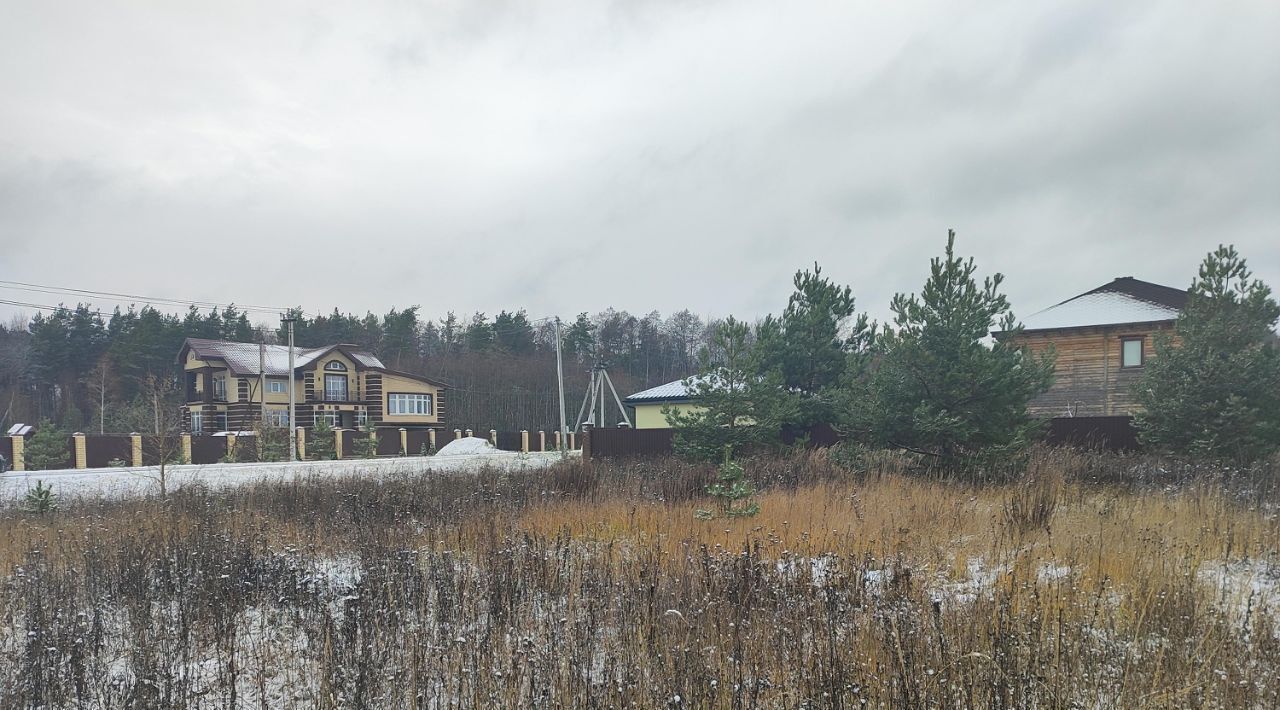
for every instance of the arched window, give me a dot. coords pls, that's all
(335, 365)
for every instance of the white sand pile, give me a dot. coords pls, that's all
(470, 445)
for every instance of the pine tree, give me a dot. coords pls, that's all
(48, 448)
(1213, 389)
(320, 442)
(808, 345)
(40, 499)
(733, 407)
(730, 487)
(938, 387)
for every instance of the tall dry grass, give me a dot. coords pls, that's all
(1089, 580)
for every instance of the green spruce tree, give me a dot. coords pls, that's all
(1213, 388)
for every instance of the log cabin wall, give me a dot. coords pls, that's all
(1088, 378)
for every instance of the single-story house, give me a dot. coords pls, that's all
(648, 404)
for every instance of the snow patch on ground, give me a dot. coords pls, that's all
(145, 480)
(1243, 586)
(469, 446)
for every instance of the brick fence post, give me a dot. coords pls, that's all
(186, 448)
(431, 440)
(524, 441)
(457, 434)
(404, 441)
(557, 439)
(469, 433)
(337, 443)
(302, 443)
(80, 452)
(135, 449)
(19, 459)
(542, 440)
(571, 441)
(493, 437)
(231, 447)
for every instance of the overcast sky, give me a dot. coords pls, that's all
(568, 156)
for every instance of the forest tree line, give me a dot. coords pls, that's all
(89, 371)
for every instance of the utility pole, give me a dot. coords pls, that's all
(288, 320)
(564, 433)
(262, 386)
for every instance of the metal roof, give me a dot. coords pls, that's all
(1124, 300)
(242, 358)
(671, 390)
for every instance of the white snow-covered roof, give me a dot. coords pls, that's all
(1099, 309)
(671, 390)
(1124, 300)
(242, 358)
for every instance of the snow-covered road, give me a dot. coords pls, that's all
(118, 482)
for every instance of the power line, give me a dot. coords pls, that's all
(127, 297)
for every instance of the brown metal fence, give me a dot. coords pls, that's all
(388, 442)
(418, 441)
(1113, 433)
(508, 441)
(6, 450)
(348, 443)
(623, 442)
(208, 449)
(101, 449)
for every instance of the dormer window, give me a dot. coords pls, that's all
(335, 365)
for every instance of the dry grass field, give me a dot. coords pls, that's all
(1085, 581)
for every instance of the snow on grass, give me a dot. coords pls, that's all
(145, 480)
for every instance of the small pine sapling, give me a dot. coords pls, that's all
(41, 499)
(730, 487)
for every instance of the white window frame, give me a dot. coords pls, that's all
(220, 420)
(410, 404)
(278, 418)
(220, 387)
(362, 417)
(334, 419)
(346, 387)
(276, 387)
(335, 366)
(197, 422)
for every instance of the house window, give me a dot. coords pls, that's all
(275, 386)
(333, 419)
(335, 388)
(410, 404)
(220, 388)
(278, 418)
(197, 422)
(335, 366)
(362, 417)
(1131, 352)
(221, 420)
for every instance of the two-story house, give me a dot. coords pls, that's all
(228, 386)
(1102, 339)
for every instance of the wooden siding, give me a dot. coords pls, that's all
(1088, 378)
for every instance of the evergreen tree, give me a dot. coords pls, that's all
(321, 445)
(48, 448)
(939, 388)
(733, 407)
(1213, 389)
(479, 335)
(579, 340)
(513, 332)
(808, 345)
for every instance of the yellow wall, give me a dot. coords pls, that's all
(649, 416)
(394, 384)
